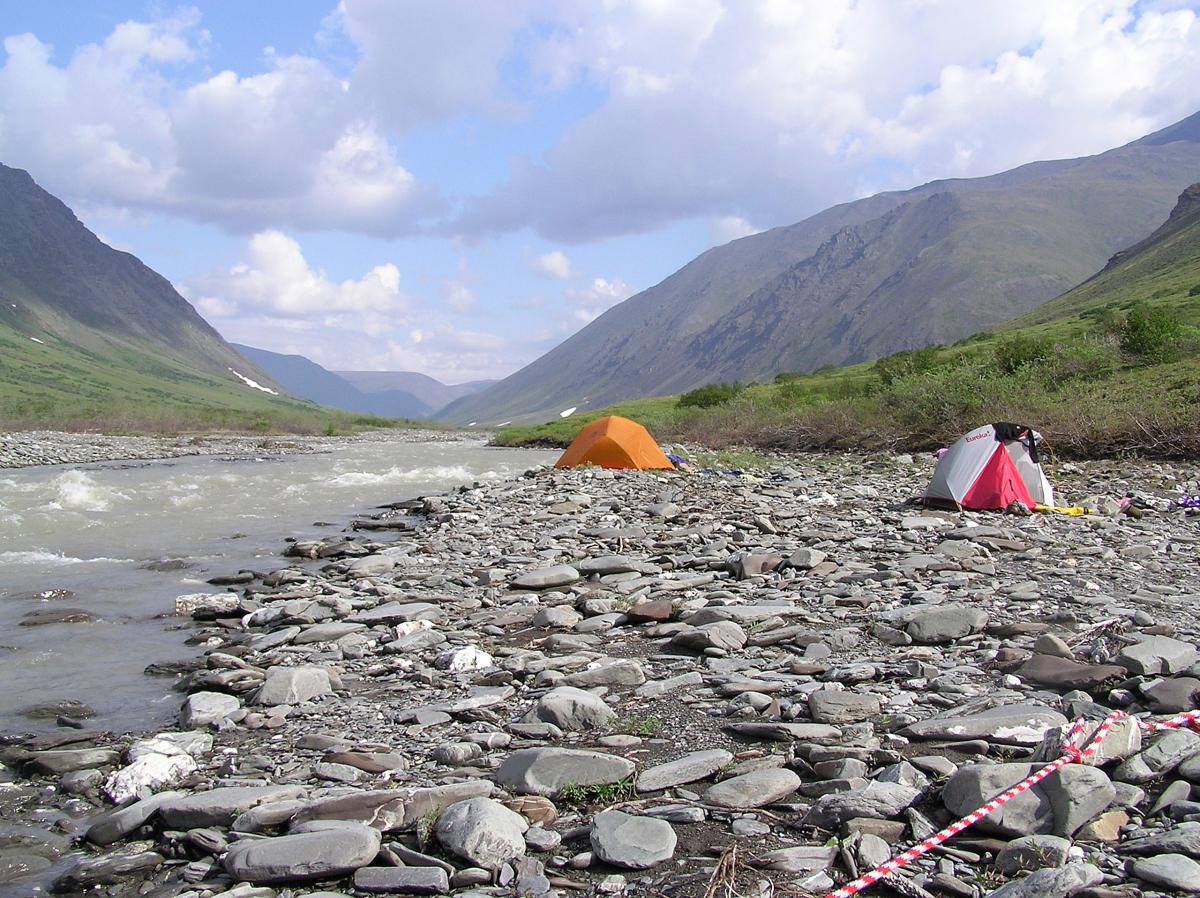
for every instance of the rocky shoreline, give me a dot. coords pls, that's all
(659, 684)
(21, 449)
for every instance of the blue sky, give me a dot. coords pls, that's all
(456, 187)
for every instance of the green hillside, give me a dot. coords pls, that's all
(1111, 366)
(120, 386)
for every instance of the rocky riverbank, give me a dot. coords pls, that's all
(659, 684)
(20, 449)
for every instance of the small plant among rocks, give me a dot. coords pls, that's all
(576, 794)
(640, 726)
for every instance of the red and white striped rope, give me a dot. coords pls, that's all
(1072, 754)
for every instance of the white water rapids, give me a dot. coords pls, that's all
(94, 529)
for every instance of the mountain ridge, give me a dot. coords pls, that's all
(1023, 237)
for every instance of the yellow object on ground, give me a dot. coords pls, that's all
(1061, 509)
(614, 442)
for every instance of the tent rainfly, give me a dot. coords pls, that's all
(990, 468)
(614, 442)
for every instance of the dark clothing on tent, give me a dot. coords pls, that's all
(1007, 431)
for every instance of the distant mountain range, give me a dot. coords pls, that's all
(861, 280)
(392, 394)
(90, 335)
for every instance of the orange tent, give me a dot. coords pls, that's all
(614, 442)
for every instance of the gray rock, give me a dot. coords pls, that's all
(546, 577)
(880, 800)
(806, 559)
(218, 807)
(1060, 804)
(545, 771)
(403, 880)
(1174, 871)
(831, 706)
(1158, 655)
(1055, 882)
(1164, 754)
(482, 831)
(610, 672)
(1183, 838)
(635, 843)
(108, 869)
(799, 858)
(944, 624)
(398, 613)
(558, 616)
(293, 685)
(691, 767)
(391, 810)
(307, 855)
(574, 710)
(1011, 724)
(120, 822)
(722, 634)
(67, 760)
(203, 708)
(1030, 853)
(655, 688)
(753, 790)
(610, 564)
(327, 632)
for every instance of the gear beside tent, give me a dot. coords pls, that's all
(614, 442)
(990, 468)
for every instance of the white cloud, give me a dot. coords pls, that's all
(554, 265)
(275, 278)
(118, 125)
(730, 227)
(771, 110)
(601, 294)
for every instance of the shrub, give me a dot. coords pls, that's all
(1195, 291)
(786, 377)
(1013, 353)
(1150, 333)
(707, 397)
(906, 363)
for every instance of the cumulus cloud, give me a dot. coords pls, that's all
(601, 294)
(554, 265)
(118, 124)
(275, 278)
(778, 108)
(730, 227)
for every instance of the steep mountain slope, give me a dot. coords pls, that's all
(433, 393)
(91, 335)
(861, 280)
(305, 378)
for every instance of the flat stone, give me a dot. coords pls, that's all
(482, 831)
(118, 823)
(546, 771)
(878, 799)
(1164, 753)
(1051, 882)
(697, 765)
(66, 760)
(546, 577)
(574, 710)
(1064, 674)
(201, 709)
(293, 685)
(753, 790)
(1030, 853)
(403, 880)
(218, 807)
(635, 843)
(722, 634)
(1010, 724)
(398, 613)
(1156, 655)
(309, 855)
(391, 810)
(1174, 871)
(1183, 838)
(327, 632)
(798, 859)
(1172, 696)
(944, 624)
(835, 707)
(611, 672)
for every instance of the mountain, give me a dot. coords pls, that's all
(861, 280)
(305, 378)
(90, 334)
(433, 393)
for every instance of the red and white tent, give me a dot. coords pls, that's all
(990, 468)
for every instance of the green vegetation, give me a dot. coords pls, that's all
(635, 725)
(1110, 367)
(575, 794)
(123, 386)
(710, 395)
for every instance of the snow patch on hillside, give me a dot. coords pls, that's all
(252, 383)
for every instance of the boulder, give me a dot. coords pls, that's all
(546, 771)
(697, 765)
(293, 685)
(1060, 804)
(482, 831)
(546, 577)
(327, 853)
(574, 710)
(635, 843)
(753, 790)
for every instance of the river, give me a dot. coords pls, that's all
(124, 539)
